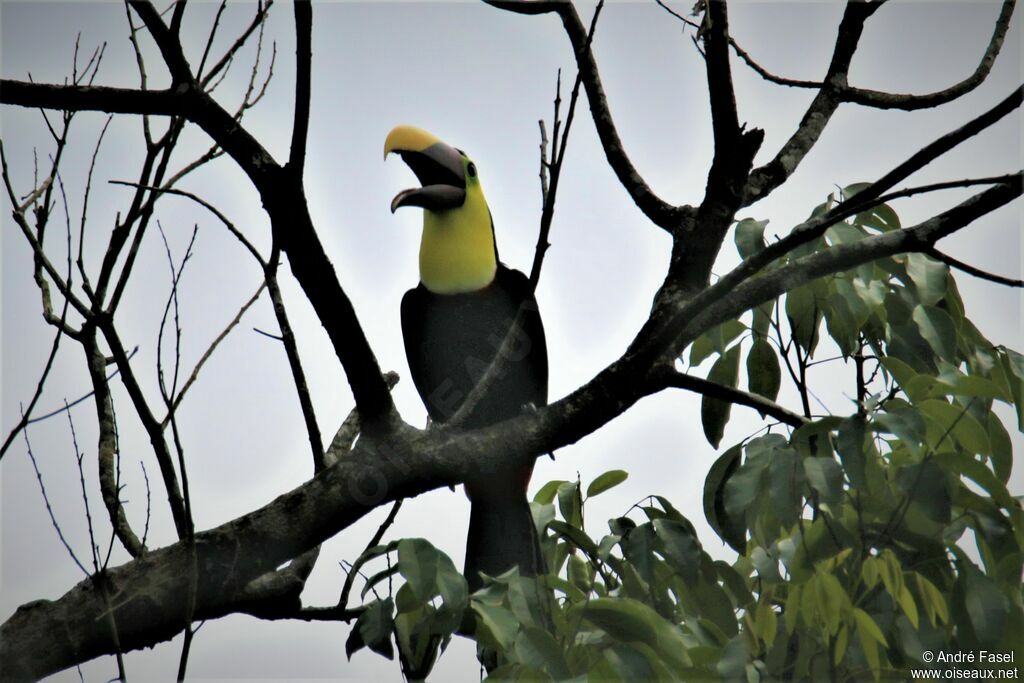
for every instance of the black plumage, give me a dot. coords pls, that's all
(450, 341)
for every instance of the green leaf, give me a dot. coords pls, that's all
(624, 619)
(608, 480)
(580, 574)
(927, 487)
(418, 562)
(630, 621)
(906, 423)
(967, 466)
(1002, 448)
(499, 624)
(929, 277)
(842, 324)
(373, 629)
(762, 318)
(1013, 368)
(734, 583)
(842, 642)
(574, 535)
(909, 607)
(987, 607)
(680, 545)
(907, 344)
(546, 494)
(804, 313)
(938, 330)
(569, 503)
(749, 237)
(870, 638)
(900, 371)
(976, 387)
(714, 412)
(787, 484)
(730, 528)
(850, 444)
(733, 664)
(881, 218)
(715, 340)
(638, 548)
(932, 599)
(744, 487)
(955, 421)
(377, 578)
(537, 649)
(791, 612)
(764, 375)
(825, 476)
(766, 623)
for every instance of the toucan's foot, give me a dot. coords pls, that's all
(528, 408)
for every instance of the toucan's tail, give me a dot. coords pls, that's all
(501, 536)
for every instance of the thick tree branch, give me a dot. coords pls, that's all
(91, 98)
(766, 178)
(304, 58)
(921, 238)
(867, 198)
(725, 123)
(701, 239)
(166, 39)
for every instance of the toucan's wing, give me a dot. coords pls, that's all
(451, 340)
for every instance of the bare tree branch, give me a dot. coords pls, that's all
(971, 270)
(167, 40)
(179, 397)
(107, 447)
(557, 156)
(886, 100)
(661, 213)
(283, 197)
(667, 377)
(261, 14)
(766, 178)
(304, 57)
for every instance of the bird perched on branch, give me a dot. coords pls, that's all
(467, 307)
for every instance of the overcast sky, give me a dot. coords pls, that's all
(479, 78)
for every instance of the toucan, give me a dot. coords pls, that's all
(454, 323)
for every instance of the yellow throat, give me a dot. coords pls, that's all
(457, 248)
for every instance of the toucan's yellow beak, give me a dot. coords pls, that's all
(438, 167)
(408, 139)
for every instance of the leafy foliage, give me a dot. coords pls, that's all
(863, 539)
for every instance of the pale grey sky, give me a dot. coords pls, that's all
(479, 78)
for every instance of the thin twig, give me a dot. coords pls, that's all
(972, 270)
(375, 540)
(671, 378)
(25, 419)
(235, 232)
(557, 157)
(49, 508)
(210, 349)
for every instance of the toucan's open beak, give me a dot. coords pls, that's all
(437, 166)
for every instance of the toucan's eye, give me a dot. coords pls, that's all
(471, 169)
